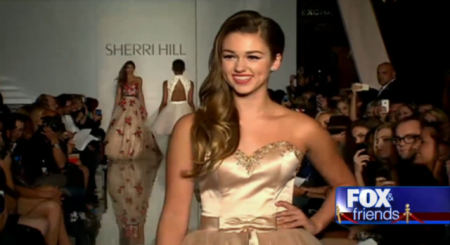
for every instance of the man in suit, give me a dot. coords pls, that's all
(391, 89)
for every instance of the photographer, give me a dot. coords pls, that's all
(84, 112)
(45, 153)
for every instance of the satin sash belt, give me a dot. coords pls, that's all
(245, 224)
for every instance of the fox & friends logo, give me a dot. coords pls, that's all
(393, 205)
(372, 205)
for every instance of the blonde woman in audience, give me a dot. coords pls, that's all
(323, 117)
(435, 115)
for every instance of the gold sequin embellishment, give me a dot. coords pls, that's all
(249, 162)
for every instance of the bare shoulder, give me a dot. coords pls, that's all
(184, 125)
(301, 118)
(139, 79)
(305, 128)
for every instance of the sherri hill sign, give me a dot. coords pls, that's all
(144, 49)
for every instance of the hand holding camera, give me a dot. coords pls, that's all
(51, 127)
(97, 115)
(360, 160)
(51, 135)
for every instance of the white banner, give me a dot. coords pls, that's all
(365, 39)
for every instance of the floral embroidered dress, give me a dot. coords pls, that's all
(127, 138)
(134, 161)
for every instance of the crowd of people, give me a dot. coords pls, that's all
(387, 138)
(47, 174)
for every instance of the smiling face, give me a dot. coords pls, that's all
(247, 62)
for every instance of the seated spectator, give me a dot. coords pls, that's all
(64, 102)
(28, 129)
(85, 118)
(40, 202)
(47, 101)
(16, 229)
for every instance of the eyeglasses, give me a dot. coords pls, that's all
(408, 139)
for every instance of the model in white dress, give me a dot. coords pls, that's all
(173, 110)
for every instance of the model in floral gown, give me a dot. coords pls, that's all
(127, 137)
(134, 157)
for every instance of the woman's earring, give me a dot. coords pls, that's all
(272, 69)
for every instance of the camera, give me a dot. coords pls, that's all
(363, 147)
(53, 122)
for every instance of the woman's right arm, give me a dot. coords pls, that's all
(118, 96)
(174, 218)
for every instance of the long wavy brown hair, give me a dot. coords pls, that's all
(122, 77)
(215, 132)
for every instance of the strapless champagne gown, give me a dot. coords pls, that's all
(238, 199)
